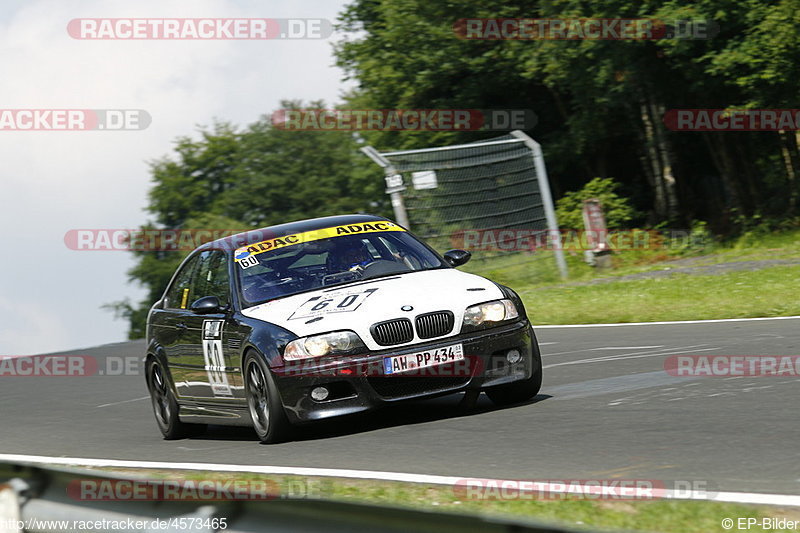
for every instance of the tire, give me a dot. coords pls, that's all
(165, 406)
(264, 403)
(520, 391)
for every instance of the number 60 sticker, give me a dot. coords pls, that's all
(331, 303)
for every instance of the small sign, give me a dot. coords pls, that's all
(425, 179)
(595, 223)
(394, 183)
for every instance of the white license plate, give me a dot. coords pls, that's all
(415, 361)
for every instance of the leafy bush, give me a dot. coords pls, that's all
(700, 241)
(617, 209)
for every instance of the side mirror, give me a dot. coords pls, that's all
(206, 306)
(457, 257)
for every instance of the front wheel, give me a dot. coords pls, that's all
(516, 392)
(165, 406)
(266, 409)
(521, 390)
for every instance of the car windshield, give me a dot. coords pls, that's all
(305, 266)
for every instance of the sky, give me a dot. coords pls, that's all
(51, 297)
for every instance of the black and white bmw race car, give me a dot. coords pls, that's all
(328, 317)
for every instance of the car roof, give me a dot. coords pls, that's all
(246, 238)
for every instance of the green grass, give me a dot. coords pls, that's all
(550, 300)
(769, 292)
(645, 516)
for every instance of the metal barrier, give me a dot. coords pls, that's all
(37, 499)
(498, 184)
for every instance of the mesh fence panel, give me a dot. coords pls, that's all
(490, 185)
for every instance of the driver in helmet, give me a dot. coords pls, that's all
(351, 256)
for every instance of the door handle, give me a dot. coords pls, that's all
(181, 326)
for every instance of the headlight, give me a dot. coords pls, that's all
(319, 345)
(495, 311)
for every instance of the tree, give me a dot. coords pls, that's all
(600, 102)
(284, 175)
(765, 65)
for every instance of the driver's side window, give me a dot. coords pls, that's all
(212, 277)
(179, 295)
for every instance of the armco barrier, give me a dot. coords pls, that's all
(33, 495)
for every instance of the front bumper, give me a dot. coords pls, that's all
(358, 383)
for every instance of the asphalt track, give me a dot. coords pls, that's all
(607, 410)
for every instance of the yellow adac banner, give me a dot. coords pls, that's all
(314, 235)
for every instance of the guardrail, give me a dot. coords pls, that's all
(39, 499)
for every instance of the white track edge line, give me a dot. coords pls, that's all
(730, 497)
(714, 321)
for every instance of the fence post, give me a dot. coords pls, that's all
(394, 185)
(547, 200)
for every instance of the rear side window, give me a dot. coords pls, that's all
(179, 294)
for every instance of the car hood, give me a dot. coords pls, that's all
(357, 306)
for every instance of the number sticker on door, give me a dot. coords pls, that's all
(338, 302)
(214, 358)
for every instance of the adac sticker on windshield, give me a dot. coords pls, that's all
(243, 254)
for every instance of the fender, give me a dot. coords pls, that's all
(267, 339)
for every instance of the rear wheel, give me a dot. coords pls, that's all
(165, 406)
(264, 402)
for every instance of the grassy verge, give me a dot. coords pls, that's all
(646, 516)
(766, 292)
(762, 293)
